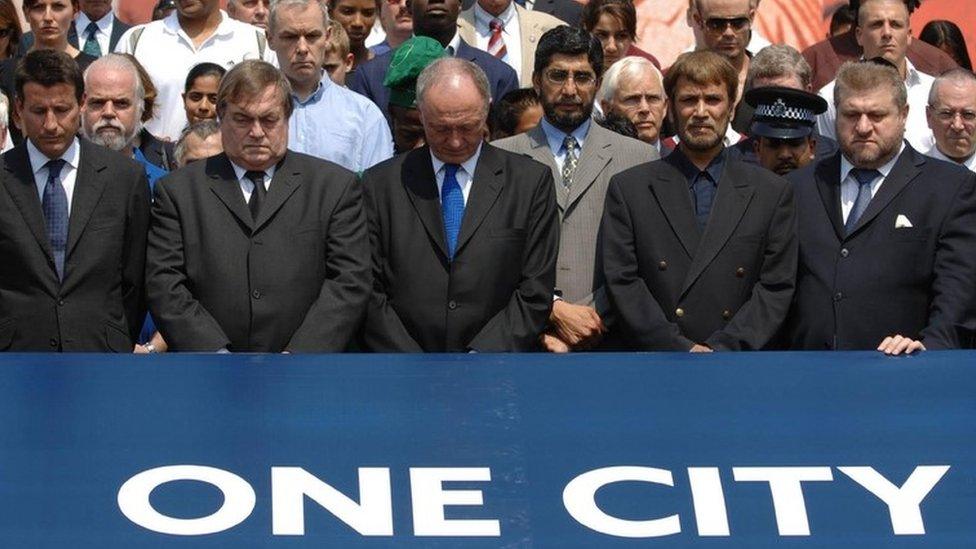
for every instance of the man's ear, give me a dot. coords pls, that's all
(350, 60)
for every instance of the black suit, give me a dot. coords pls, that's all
(672, 285)
(745, 150)
(570, 11)
(156, 151)
(920, 281)
(100, 304)
(297, 279)
(497, 293)
(118, 29)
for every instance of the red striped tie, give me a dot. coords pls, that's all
(496, 44)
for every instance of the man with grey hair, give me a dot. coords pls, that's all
(634, 89)
(464, 235)
(329, 121)
(254, 12)
(887, 235)
(5, 141)
(198, 141)
(951, 114)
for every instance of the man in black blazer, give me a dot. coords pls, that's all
(258, 249)
(106, 25)
(464, 235)
(436, 19)
(73, 222)
(699, 250)
(887, 235)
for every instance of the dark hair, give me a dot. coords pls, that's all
(618, 124)
(621, 10)
(843, 16)
(48, 68)
(250, 78)
(567, 40)
(509, 109)
(28, 4)
(946, 35)
(856, 6)
(203, 69)
(10, 19)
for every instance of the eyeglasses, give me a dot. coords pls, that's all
(560, 77)
(719, 24)
(946, 115)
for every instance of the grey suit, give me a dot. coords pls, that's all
(604, 154)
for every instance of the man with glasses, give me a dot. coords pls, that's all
(583, 157)
(951, 114)
(725, 27)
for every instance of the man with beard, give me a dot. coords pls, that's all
(583, 156)
(887, 235)
(783, 127)
(699, 250)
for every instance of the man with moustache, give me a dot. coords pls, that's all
(783, 127)
(698, 249)
(634, 89)
(951, 114)
(887, 235)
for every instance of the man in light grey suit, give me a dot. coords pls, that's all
(583, 157)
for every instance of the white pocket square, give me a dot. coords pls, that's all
(902, 222)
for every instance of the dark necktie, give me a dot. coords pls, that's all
(452, 207)
(704, 190)
(91, 43)
(55, 207)
(258, 194)
(864, 178)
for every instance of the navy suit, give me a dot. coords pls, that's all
(368, 78)
(118, 29)
(920, 281)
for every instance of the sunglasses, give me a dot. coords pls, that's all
(719, 24)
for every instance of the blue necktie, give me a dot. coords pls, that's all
(864, 179)
(704, 196)
(91, 43)
(452, 207)
(55, 206)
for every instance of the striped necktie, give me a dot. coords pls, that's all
(496, 44)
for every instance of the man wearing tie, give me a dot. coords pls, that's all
(887, 235)
(258, 249)
(73, 222)
(95, 30)
(464, 235)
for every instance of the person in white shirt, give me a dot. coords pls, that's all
(951, 114)
(196, 32)
(884, 30)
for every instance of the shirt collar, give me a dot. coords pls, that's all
(691, 171)
(38, 160)
(453, 45)
(171, 24)
(239, 171)
(468, 165)
(912, 77)
(846, 166)
(81, 22)
(324, 84)
(555, 137)
(483, 17)
(970, 162)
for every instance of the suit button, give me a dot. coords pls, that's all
(726, 314)
(452, 304)
(256, 294)
(838, 296)
(662, 266)
(679, 312)
(53, 342)
(60, 303)
(844, 252)
(740, 272)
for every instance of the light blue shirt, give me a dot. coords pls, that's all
(555, 138)
(464, 176)
(340, 126)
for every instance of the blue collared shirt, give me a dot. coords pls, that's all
(153, 172)
(701, 201)
(341, 126)
(556, 137)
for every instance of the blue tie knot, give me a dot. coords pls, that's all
(54, 168)
(91, 29)
(450, 170)
(864, 175)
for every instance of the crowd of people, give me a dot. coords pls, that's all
(509, 175)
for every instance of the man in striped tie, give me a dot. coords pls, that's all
(464, 235)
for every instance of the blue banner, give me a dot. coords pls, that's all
(746, 450)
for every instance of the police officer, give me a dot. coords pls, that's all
(784, 127)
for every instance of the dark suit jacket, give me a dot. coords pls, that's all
(368, 78)
(497, 293)
(827, 56)
(745, 150)
(157, 151)
(100, 304)
(671, 285)
(570, 11)
(297, 279)
(919, 282)
(118, 29)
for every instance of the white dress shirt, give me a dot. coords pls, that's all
(969, 163)
(917, 131)
(69, 173)
(849, 185)
(512, 34)
(103, 35)
(167, 54)
(247, 186)
(464, 176)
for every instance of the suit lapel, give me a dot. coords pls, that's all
(224, 184)
(466, 25)
(731, 200)
(671, 190)
(596, 154)
(531, 31)
(285, 182)
(906, 168)
(23, 191)
(421, 188)
(827, 176)
(540, 152)
(486, 184)
(88, 191)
